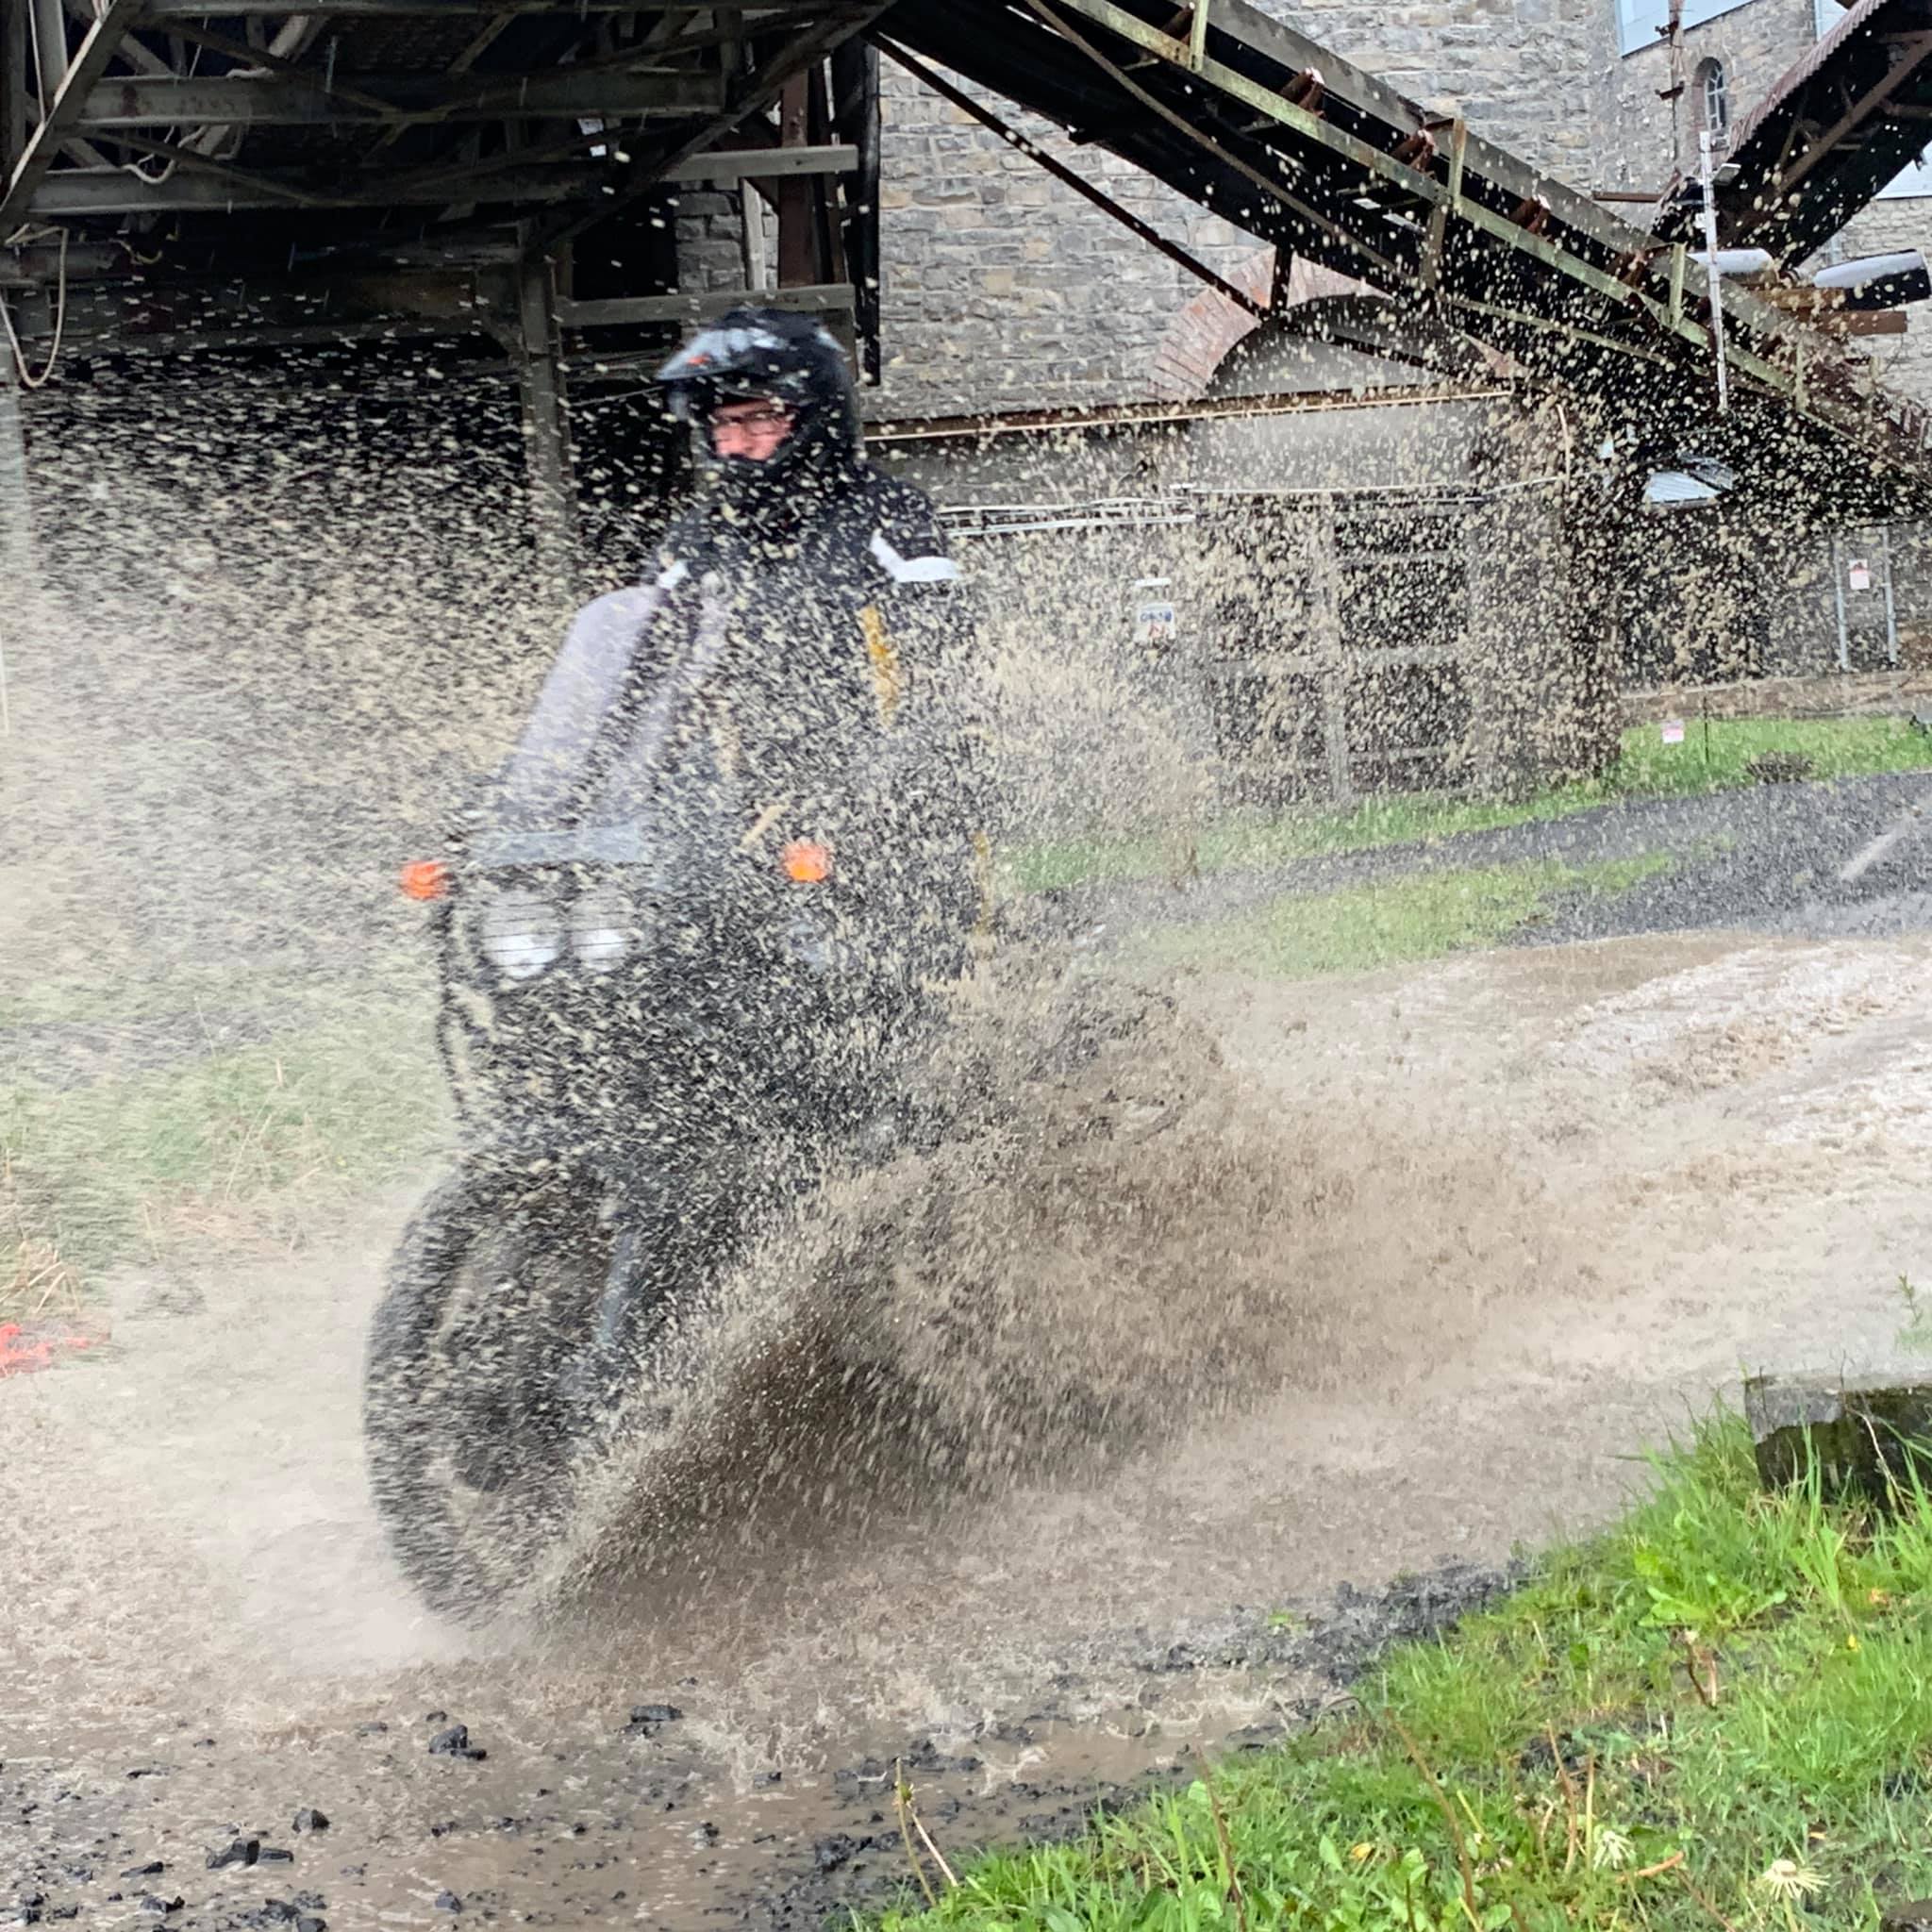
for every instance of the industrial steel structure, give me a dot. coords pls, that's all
(180, 175)
(1836, 128)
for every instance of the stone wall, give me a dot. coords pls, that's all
(1886, 225)
(1524, 73)
(1005, 289)
(1641, 138)
(1002, 288)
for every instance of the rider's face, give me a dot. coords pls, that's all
(752, 428)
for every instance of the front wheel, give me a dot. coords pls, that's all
(474, 1407)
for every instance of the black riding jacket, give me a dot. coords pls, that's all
(846, 676)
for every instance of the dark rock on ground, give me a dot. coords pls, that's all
(454, 1742)
(655, 1713)
(309, 1819)
(1865, 1434)
(448, 1902)
(1537, 1757)
(242, 1850)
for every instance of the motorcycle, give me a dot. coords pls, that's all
(669, 1009)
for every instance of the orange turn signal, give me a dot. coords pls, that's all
(808, 862)
(424, 878)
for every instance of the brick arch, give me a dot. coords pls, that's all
(1211, 326)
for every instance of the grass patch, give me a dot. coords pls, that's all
(244, 1143)
(1647, 768)
(1398, 922)
(1915, 1332)
(1718, 1714)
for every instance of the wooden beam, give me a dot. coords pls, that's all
(159, 11)
(86, 68)
(546, 425)
(630, 311)
(41, 265)
(763, 163)
(89, 192)
(293, 101)
(1450, 204)
(752, 96)
(1863, 321)
(856, 116)
(798, 256)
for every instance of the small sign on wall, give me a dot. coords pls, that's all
(1858, 573)
(1674, 731)
(1154, 625)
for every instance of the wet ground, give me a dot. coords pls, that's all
(1763, 857)
(1557, 1197)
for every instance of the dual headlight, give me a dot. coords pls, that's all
(522, 931)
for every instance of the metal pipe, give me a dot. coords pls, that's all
(1890, 609)
(1837, 589)
(1716, 280)
(50, 49)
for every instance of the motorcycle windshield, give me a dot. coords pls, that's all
(548, 780)
(598, 773)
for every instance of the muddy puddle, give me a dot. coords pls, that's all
(1552, 1203)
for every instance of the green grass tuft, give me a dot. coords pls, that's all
(1401, 922)
(1837, 748)
(241, 1143)
(1717, 1714)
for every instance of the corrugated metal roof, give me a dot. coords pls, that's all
(1808, 63)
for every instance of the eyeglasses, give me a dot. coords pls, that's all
(740, 416)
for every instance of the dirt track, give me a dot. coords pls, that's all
(1558, 1198)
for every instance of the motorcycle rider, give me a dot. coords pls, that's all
(850, 675)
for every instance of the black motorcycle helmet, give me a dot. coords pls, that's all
(768, 354)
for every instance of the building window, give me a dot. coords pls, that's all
(1714, 102)
(1642, 23)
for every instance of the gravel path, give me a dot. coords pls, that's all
(1554, 1196)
